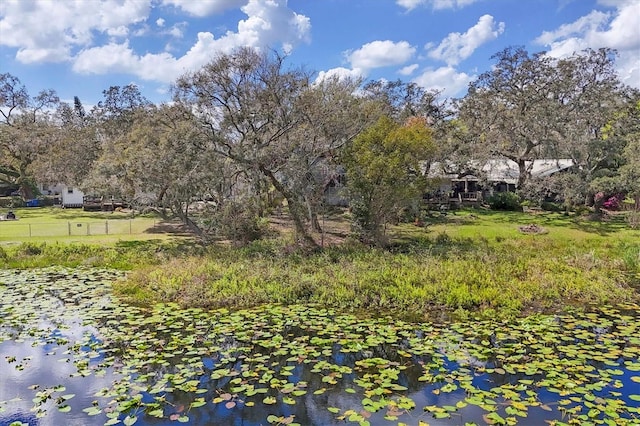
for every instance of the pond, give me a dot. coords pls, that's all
(70, 354)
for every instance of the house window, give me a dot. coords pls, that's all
(69, 190)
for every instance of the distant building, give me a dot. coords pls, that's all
(482, 180)
(68, 196)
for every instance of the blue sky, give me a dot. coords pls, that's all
(81, 47)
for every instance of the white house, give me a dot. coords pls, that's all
(496, 175)
(70, 196)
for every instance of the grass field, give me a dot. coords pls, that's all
(495, 226)
(470, 261)
(48, 224)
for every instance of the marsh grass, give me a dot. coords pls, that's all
(467, 263)
(450, 269)
(122, 254)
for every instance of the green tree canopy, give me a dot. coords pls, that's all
(384, 172)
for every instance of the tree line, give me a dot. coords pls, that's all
(247, 133)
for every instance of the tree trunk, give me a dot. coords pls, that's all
(25, 186)
(296, 209)
(522, 172)
(185, 219)
(313, 217)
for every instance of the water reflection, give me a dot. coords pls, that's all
(69, 355)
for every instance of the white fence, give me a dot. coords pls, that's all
(73, 228)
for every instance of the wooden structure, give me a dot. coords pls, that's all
(105, 204)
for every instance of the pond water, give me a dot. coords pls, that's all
(71, 355)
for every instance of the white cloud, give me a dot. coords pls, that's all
(435, 4)
(271, 22)
(47, 31)
(340, 73)
(628, 67)
(377, 54)
(447, 80)
(586, 24)
(268, 22)
(619, 30)
(408, 70)
(381, 54)
(162, 67)
(205, 7)
(177, 30)
(120, 31)
(457, 47)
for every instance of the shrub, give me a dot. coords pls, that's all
(11, 202)
(31, 249)
(613, 203)
(505, 201)
(237, 221)
(551, 207)
(633, 219)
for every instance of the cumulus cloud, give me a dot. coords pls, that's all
(457, 47)
(435, 4)
(446, 80)
(47, 31)
(270, 23)
(340, 73)
(380, 54)
(162, 67)
(267, 23)
(619, 29)
(177, 30)
(408, 70)
(377, 54)
(204, 7)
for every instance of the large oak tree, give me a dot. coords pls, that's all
(273, 122)
(27, 129)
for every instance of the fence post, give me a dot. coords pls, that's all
(69, 226)
(106, 227)
(29, 230)
(129, 226)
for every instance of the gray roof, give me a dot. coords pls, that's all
(503, 170)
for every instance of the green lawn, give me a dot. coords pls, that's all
(499, 225)
(49, 224)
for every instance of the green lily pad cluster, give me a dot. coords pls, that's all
(171, 363)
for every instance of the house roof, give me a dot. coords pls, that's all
(503, 170)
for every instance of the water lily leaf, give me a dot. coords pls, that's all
(269, 400)
(199, 402)
(273, 419)
(130, 420)
(441, 415)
